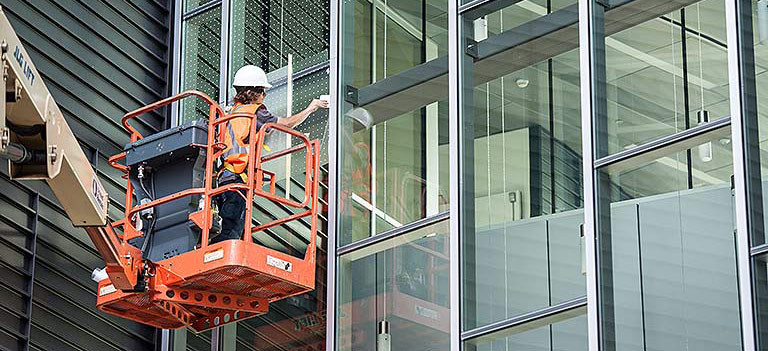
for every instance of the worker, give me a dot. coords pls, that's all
(251, 86)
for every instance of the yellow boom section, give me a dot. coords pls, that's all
(37, 140)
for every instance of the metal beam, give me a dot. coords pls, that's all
(479, 8)
(664, 146)
(409, 228)
(510, 51)
(532, 320)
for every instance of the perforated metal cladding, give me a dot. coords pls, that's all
(202, 46)
(306, 89)
(266, 31)
(192, 4)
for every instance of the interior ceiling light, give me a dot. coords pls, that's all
(522, 83)
(705, 150)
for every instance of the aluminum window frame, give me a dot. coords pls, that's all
(747, 176)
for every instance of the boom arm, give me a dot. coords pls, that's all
(36, 140)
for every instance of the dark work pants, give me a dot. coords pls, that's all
(232, 212)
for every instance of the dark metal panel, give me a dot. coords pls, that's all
(88, 320)
(143, 13)
(99, 59)
(53, 21)
(130, 19)
(142, 46)
(54, 66)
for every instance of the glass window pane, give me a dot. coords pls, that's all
(523, 11)
(666, 74)
(294, 323)
(759, 11)
(760, 38)
(394, 131)
(201, 60)
(198, 341)
(523, 249)
(567, 332)
(760, 289)
(190, 5)
(402, 283)
(264, 33)
(669, 260)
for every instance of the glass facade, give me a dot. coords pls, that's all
(201, 59)
(602, 160)
(402, 283)
(394, 148)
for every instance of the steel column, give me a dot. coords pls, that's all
(746, 157)
(224, 52)
(587, 53)
(176, 59)
(333, 172)
(454, 130)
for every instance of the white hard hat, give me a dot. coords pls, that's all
(251, 76)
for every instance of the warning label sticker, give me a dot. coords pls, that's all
(279, 264)
(213, 255)
(108, 289)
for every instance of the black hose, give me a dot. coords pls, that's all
(18, 153)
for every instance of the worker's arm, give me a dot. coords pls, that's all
(296, 119)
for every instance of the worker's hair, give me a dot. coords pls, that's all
(247, 95)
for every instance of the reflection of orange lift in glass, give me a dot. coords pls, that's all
(210, 284)
(414, 301)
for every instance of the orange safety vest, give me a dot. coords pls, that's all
(238, 130)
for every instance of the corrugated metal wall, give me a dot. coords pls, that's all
(100, 59)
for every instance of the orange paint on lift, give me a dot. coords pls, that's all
(227, 281)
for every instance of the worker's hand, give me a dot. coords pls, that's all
(316, 104)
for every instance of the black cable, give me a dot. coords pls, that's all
(148, 233)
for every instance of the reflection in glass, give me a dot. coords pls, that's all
(665, 75)
(523, 173)
(669, 275)
(394, 166)
(264, 33)
(759, 11)
(193, 4)
(402, 283)
(296, 323)
(202, 46)
(760, 38)
(567, 332)
(197, 342)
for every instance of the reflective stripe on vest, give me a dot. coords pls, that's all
(235, 148)
(236, 155)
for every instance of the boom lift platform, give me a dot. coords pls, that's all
(161, 268)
